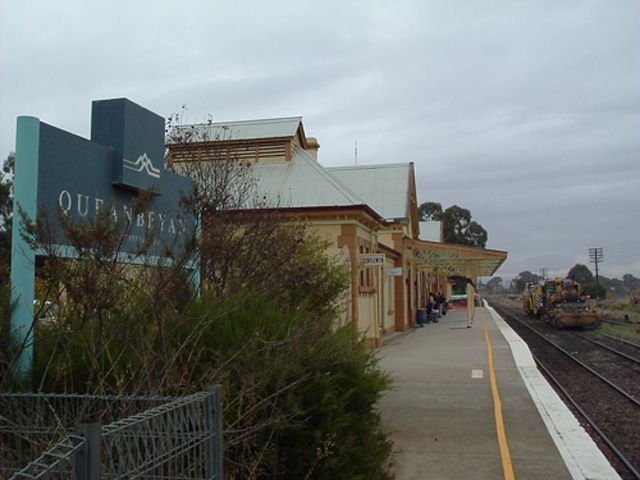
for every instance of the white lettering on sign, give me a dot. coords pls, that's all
(83, 211)
(85, 206)
(64, 202)
(372, 260)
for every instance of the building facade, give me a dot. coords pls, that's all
(361, 211)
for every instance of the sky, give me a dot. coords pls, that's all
(527, 113)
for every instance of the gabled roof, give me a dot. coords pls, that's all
(285, 127)
(302, 182)
(385, 188)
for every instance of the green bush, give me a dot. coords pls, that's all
(299, 394)
(314, 389)
(7, 345)
(625, 307)
(591, 290)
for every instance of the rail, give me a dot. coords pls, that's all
(610, 349)
(621, 340)
(598, 375)
(616, 451)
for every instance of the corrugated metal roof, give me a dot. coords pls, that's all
(301, 182)
(385, 188)
(240, 130)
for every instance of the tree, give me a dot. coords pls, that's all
(6, 214)
(458, 227)
(581, 274)
(476, 235)
(630, 282)
(430, 211)
(494, 285)
(520, 282)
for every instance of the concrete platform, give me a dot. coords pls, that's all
(442, 408)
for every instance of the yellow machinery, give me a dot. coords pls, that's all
(561, 303)
(532, 299)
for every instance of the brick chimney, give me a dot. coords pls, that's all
(312, 147)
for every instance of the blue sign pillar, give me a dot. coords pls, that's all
(23, 258)
(58, 173)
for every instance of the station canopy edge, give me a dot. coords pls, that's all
(452, 259)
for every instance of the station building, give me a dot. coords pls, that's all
(365, 212)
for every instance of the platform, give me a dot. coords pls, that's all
(449, 422)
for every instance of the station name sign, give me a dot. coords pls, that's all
(372, 260)
(59, 175)
(125, 156)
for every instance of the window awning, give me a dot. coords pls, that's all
(452, 259)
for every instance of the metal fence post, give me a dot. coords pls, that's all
(88, 461)
(213, 418)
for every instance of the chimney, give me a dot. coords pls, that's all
(312, 147)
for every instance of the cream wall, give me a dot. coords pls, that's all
(387, 301)
(370, 317)
(328, 231)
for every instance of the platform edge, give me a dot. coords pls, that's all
(581, 455)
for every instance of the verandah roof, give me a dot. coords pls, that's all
(452, 259)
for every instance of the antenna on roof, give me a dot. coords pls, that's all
(355, 153)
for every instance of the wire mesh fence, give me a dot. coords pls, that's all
(91, 436)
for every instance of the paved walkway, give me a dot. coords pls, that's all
(441, 408)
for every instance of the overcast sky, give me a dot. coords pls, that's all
(527, 113)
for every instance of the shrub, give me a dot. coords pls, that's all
(7, 348)
(312, 387)
(299, 394)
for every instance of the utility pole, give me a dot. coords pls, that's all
(596, 256)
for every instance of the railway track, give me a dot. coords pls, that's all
(634, 347)
(608, 347)
(607, 400)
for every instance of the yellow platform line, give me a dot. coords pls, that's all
(505, 454)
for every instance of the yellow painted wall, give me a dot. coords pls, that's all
(388, 299)
(369, 315)
(329, 231)
(368, 302)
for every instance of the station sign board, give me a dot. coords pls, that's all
(76, 177)
(61, 174)
(394, 272)
(372, 260)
